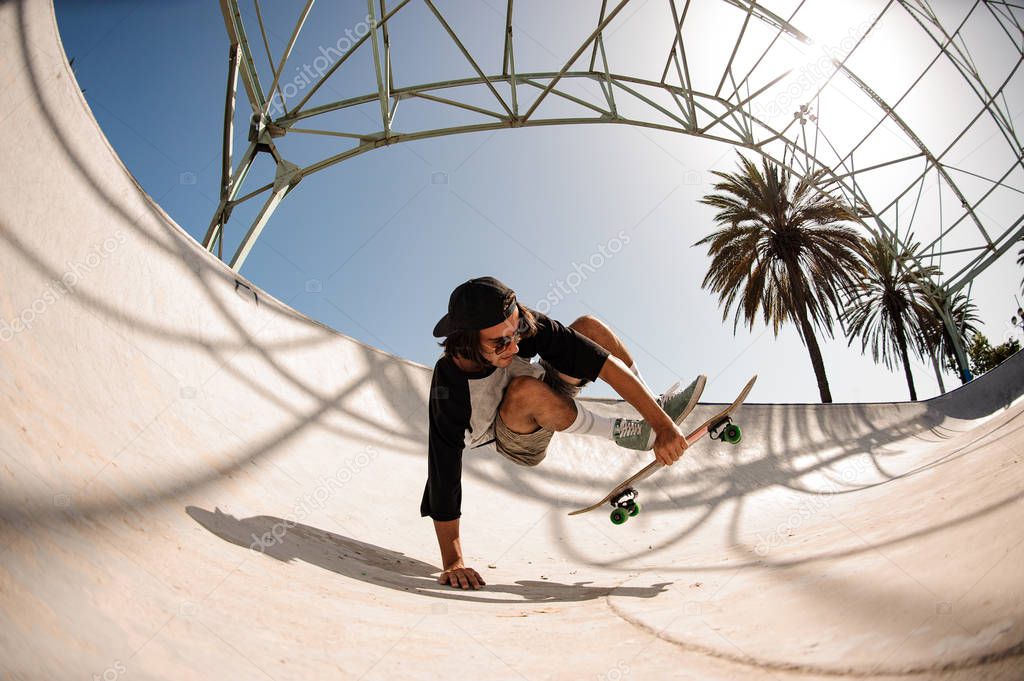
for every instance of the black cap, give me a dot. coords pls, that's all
(474, 305)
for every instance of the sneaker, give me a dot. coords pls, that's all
(663, 398)
(633, 434)
(678, 405)
(638, 434)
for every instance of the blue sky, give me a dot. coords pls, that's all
(373, 246)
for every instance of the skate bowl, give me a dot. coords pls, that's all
(200, 482)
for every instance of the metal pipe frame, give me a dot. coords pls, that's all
(727, 114)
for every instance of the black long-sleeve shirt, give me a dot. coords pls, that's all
(463, 405)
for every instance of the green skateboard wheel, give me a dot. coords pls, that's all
(619, 516)
(732, 434)
(634, 509)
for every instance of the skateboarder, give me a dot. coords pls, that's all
(484, 389)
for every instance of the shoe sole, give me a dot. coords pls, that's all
(698, 389)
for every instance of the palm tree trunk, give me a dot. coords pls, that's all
(807, 331)
(938, 376)
(906, 365)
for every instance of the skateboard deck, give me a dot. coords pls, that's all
(623, 496)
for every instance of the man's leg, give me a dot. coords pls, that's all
(599, 332)
(532, 409)
(530, 403)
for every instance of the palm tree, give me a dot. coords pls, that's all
(887, 303)
(1020, 261)
(781, 251)
(934, 338)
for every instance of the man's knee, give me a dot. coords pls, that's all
(521, 395)
(520, 389)
(587, 323)
(593, 328)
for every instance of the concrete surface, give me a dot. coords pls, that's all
(198, 482)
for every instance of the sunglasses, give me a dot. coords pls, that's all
(499, 344)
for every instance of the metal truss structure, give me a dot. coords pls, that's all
(909, 112)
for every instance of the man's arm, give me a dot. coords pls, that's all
(669, 443)
(576, 355)
(455, 571)
(449, 415)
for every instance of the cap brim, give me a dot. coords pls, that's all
(443, 327)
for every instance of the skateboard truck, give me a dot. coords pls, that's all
(731, 433)
(625, 506)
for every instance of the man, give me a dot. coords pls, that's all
(484, 389)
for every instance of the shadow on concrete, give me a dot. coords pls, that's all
(288, 541)
(789, 431)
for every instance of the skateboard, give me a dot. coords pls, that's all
(624, 495)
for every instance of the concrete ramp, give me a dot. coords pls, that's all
(198, 482)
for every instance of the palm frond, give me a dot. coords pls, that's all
(884, 308)
(782, 250)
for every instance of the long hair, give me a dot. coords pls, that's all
(465, 343)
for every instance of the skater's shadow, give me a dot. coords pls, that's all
(287, 541)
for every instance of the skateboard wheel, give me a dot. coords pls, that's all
(732, 434)
(619, 516)
(633, 510)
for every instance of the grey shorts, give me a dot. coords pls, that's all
(529, 449)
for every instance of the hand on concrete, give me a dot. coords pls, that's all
(669, 444)
(459, 575)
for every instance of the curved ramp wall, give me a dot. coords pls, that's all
(199, 481)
